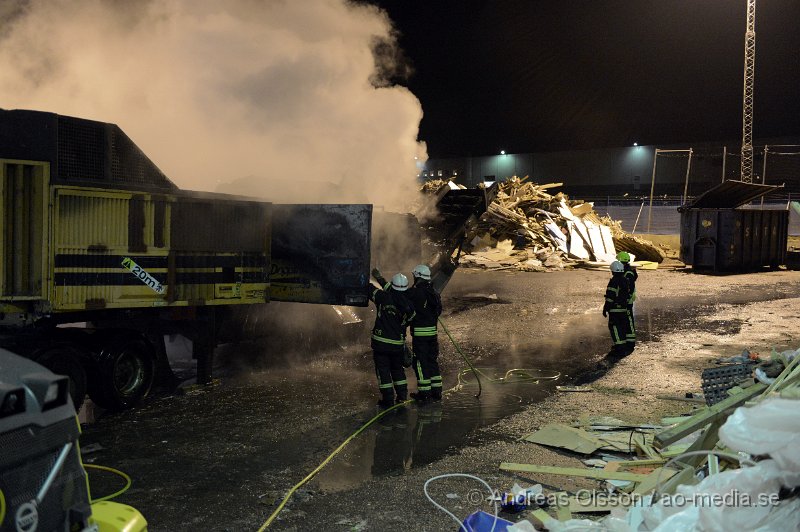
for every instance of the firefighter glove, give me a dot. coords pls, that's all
(376, 273)
(605, 310)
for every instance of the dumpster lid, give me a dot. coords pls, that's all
(729, 195)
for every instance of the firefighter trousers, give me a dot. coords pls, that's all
(623, 336)
(426, 366)
(391, 375)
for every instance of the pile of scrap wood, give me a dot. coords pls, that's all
(434, 185)
(643, 249)
(528, 228)
(673, 471)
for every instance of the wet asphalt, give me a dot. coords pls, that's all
(219, 457)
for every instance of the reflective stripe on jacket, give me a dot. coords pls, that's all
(393, 314)
(427, 306)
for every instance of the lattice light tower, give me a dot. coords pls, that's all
(747, 104)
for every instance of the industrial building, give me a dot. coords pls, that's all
(629, 171)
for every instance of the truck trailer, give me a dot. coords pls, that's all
(102, 256)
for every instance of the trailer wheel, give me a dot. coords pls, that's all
(66, 360)
(123, 373)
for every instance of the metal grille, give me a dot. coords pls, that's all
(28, 455)
(81, 149)
(99, 152)
(130, 165)
(717, 381)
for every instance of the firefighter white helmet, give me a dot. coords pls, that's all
(422, 271)
(617, 267)
(400, 282)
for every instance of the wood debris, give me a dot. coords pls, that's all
(662, 459)
(529, 228)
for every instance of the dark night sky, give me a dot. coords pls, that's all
(531, 75)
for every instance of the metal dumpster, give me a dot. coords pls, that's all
(718, 235)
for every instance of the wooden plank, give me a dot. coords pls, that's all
(649, 484)
(572, 472)
(580, 227)
(707, 441)
(608, 240)
(565, 437)
(558, 236)
(713, 464)
(788, 374)
(582, 209)
(541, 518)
(698, 421)
(576, 247)
(627, 464)
(646, 449)
(684, 477)
(562, 512)
(598, 249)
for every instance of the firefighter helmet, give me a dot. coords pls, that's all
(617, 267)
(422, 271)
(400, 282)
(623, 257)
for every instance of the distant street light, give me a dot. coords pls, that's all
(635, 143)
(502, 152)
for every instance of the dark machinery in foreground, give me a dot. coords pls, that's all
(43, 485)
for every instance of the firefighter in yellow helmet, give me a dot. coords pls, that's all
(616, 309)
(631, 276)
(393, 314)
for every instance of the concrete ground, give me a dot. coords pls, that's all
(221, 457)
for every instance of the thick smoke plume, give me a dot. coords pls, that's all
(286, 100)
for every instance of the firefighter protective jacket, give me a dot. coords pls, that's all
(617, 293)
(393, 314)
(631, 275)
(428, 306)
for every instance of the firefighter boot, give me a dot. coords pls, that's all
(387, 399)
(401, 391)
(421, 396)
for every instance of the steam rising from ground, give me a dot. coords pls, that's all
(286, 100)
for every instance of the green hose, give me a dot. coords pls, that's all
(311, 475)
(465, 357)
(116, 472)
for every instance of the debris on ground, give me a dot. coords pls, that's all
(91, 448)
(734, 464)
(574, 388)
(527, 228)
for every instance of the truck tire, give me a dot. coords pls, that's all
(123, 373)
(66, 360)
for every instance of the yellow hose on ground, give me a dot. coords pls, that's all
(116, 472)
(522, 374)
(465, 357)
(325, 462)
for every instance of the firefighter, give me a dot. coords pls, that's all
(424, 342)
(393, 314)
(631, 275)
(616, 309)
